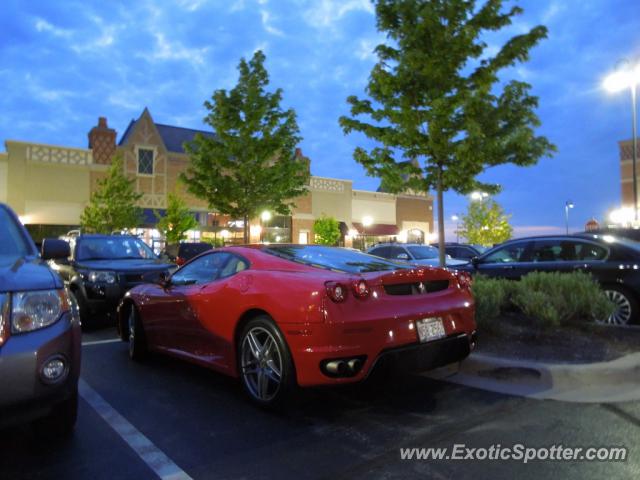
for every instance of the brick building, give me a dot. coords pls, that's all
(49, 186)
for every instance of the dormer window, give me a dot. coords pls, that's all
(145, 161)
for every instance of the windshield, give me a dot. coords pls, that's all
(333, 258)
(423, 252)
(12, 240)
(111, 248)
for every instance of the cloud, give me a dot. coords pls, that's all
(168, 50)
(325, 13)
(105, 38)
(266, 18)
(191, 5)
(365, 50)
(43, 26)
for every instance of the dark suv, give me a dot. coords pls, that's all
(102, 268)
(39, 333)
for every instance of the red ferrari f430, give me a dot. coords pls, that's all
(282, 316)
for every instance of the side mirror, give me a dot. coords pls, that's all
(402, 256)
(475, 261)
(164, 279)
(55, 249)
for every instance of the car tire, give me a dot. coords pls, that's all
(626, 306)
(62, 419)
(265, 365)
(137, 339)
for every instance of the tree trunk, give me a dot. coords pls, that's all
(440, 220)
(245, 230)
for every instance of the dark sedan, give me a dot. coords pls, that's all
(613, 262)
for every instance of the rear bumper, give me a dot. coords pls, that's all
(24, 395)
(376, 341)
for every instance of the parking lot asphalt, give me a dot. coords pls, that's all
(202, 424)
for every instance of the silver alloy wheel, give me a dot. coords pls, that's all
(622, 314)
(261, 364)
(132, 331)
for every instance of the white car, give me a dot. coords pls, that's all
(414, 253)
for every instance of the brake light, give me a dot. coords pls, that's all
(464, 280)
(361, 288)
(336, 291)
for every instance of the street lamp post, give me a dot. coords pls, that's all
(567, 205)
(366, 222)
(627, 77)
(455, 218)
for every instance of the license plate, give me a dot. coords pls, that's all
(430, 329)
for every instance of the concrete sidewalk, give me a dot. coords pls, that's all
(614, 381)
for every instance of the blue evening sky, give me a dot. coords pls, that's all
(64, 63)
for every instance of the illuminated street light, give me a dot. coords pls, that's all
(625, 77)
(621, 216)
(478, 196)
(265, 216)
(367, 221)
(567, 206)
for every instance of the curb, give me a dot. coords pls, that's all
(614, 381)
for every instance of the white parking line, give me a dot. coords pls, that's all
(162, 465)
(100, 342)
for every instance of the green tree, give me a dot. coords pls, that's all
(485, 224)
(112, 206)
(326, 230)
(177, 221)
(438, 110)
(251, 164)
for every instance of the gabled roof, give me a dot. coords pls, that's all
(172, 137)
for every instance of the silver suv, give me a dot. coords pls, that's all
(39, 333)
(414, 253)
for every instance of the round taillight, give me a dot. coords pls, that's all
(336, 291)
(464, 280)
(360, 288)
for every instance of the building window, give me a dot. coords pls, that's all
(145, 161)
(303, 237)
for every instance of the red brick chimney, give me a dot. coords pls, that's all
(102, 140)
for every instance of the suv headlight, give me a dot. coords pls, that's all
(100, 276)
(37, 309)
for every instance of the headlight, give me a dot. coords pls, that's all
(37, 309)
(99, 276)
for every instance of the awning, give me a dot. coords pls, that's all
(377, 229)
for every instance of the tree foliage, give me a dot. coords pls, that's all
(251, 164)
(437, 108)
(177, 221)
(485, 224)
(326, 231)
(112, 206)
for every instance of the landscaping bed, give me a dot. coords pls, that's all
(549, 317)
(519, 338)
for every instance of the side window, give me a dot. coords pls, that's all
(380, 252)
(589, 251)
(233, 266)
(202, 270)
(145, 161)
(398, 253)
(566, 251)
(508, 254)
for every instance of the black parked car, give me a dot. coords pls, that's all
(102, 268)
(613, 262)
(181, 253)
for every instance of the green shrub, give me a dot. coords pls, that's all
(548, 298)
(492, 296)
(555, 298)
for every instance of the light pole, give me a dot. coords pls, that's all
(627, 76)
(567, 205)
(455, 218)
(367, 221)
(478, 196)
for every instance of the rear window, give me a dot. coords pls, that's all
(333, 258)
(423, 252)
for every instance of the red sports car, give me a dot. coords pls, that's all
(281, 316)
